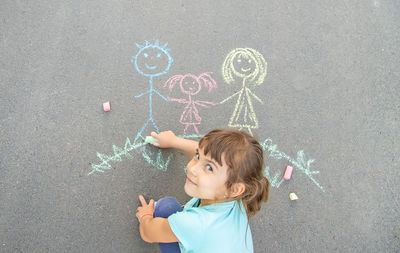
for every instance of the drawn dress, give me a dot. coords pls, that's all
(244, 116)
(190, 115)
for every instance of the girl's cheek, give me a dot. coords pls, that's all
(190, 164)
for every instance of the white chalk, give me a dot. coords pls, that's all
(293, 196)
(106, 106)
(150, 139)
(288, 172)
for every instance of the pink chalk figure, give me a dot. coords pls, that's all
(191, 85)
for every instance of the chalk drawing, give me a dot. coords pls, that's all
(152, 60)
(119, 153)
(299, 163)
(248, 66)
(276, 180)
(191, 85)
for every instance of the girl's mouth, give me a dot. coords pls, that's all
(190, 181)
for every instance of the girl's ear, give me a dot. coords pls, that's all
(237, 189)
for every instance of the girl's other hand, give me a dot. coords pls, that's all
(165, 139)
(145, 209)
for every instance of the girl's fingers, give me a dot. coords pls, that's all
(155, 135)
(151, 203)
(142, 200)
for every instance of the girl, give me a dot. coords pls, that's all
(248, 65)
(226, 181)
(191, 85)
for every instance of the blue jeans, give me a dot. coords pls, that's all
(164, 208)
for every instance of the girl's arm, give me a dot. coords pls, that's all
(168, 139)
(153, 229)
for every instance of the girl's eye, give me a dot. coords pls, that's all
(209, 168)
(146, 55)
(197, 156)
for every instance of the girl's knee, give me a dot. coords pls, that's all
(166, 206)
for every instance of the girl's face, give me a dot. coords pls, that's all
(244, 65)
(190, 85)
(206, 179)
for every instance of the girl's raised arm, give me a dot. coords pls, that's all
(168, 139)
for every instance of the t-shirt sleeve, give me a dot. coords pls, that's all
(188, 227)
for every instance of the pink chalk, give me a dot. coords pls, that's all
(288, 172)
(106, 106)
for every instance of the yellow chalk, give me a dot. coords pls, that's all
(293, 196)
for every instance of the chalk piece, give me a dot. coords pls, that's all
(293, 196)
(106, 106)
(288, 172)
(150, 139)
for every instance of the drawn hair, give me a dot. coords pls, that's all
(205, 79)
(244, 158)
(259, 73)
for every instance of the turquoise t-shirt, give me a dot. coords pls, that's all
(221, 227)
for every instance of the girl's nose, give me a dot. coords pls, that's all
(194, 170)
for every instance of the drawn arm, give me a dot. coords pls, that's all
(205, 103)
(179, 100)
(254, 95)
(158, 93)
(226, 99)
(141, 94)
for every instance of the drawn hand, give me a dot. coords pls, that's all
(165, 139)
(145, 209)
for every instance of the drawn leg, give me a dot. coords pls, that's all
(139, 134)
(249, 129)
(155, 126)
(186, 127)
(195, 129)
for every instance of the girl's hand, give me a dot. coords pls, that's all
(165, 139)
(145, 209)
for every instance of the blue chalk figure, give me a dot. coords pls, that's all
(151, 61)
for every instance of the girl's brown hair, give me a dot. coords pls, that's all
(244, 158)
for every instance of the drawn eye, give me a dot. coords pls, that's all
(158, 55)
(145, 55)
(249, 61)
(239, 60)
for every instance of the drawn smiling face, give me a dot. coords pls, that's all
(190, 84)
(243, 65)
(152, 61)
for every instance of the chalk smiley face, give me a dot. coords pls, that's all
(243, 65)
(190, 84)
(153, 60)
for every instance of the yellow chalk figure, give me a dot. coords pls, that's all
(249, 66)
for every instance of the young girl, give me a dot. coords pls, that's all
(225, 179)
